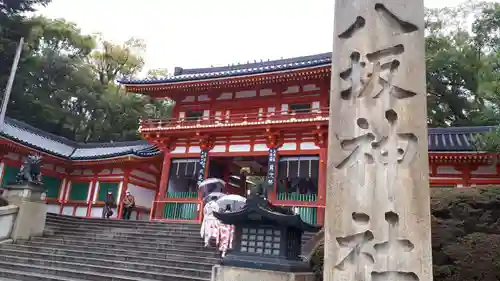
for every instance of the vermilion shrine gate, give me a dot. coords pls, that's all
(235, 116)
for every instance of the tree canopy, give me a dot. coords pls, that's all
(65, 82)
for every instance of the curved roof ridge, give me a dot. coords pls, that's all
(38, 139)
(197, 74)
(255, 64)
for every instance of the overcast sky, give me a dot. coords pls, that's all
(200, 33)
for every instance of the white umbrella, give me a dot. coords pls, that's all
(214, 194)
(211, 185)
(211, 181)
(235, 201)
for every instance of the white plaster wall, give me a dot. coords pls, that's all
(292, 90)
(96, 212)
(81, 211)
(144, 175)
(239, 148)
(117, 171)
(143, 197)
(68, 210)
(179, 149)
(288, 146)
(447, 170)
(260, 147)
(7, 219)
(194, 149)
(219, 148)
(485, 170)
(308, 146)
(53, 208)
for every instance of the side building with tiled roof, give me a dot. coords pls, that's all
(269, 120)
(77, 176)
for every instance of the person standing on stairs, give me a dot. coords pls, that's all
(209, 227)
(226, 234)
(128, 205)
(109, 204)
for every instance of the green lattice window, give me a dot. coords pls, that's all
(79, 191)
(52, 186)
(9, 175)
(104, 187)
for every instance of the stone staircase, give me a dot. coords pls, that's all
(109, 250)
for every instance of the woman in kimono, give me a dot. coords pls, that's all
(226, 234)
(209, 226)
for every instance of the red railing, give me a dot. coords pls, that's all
(239, 119)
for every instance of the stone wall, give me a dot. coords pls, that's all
(8, 216)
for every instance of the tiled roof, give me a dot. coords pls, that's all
(454, 138)
(459, 139)
(196, 74)
(25, 134)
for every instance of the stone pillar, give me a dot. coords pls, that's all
(378, 219)
(30, 220)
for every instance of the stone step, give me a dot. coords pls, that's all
(154, 272)
(123, 222)
(117, 243)
(125, 233)
(124, 236)
(90, 225)
(91, 275)
(78, 220)
(150, 252)
(157, 265)
(30, 276)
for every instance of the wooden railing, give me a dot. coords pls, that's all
(306, 205)
(238, 119)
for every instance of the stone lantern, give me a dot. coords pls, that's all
(266, 237)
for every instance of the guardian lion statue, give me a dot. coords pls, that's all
(30, 170)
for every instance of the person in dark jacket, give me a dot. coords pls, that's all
(109, 204)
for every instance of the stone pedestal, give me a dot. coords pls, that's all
(30, 220)
(229, 273)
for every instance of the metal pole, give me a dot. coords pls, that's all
(8, 89)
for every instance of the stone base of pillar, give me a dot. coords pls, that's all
(30, 219)
(229, 273)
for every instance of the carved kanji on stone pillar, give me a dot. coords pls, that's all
(377, 209)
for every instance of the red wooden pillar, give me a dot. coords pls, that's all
(126, 175)
(322, 143)
(158, 207)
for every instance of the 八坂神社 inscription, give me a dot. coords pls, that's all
(378, 217)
